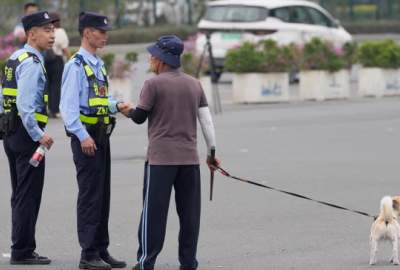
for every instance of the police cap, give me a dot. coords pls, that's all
(37, 19)
(90, 19)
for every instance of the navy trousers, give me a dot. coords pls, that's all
(158, 183)
(27, 186)
(93, 208)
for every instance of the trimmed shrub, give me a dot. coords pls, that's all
(321, 55)
(245, 59)
(131, 57)
(382, 54)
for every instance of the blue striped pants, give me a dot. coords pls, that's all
(158, 183)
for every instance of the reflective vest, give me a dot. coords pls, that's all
(10, 87)
(98, 95)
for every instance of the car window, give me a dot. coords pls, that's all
(281, 13)
(299, 15)
(236, 14)
(319, 18)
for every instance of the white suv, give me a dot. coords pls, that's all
(232, 22)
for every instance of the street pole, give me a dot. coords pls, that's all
(82, 5)
(190, 11)
(118, 13)
(155, 11)
(351, 10)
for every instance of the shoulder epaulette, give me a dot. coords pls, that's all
(78, 59)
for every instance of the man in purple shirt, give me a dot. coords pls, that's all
(172, 101)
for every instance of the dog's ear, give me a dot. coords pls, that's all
(396, 204)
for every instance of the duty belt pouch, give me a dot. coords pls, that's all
(111, 126)
(9, 122)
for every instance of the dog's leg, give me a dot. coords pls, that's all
(374, 249)
(395, 253)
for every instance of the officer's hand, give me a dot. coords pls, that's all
(47, 141)
(213, 163)
(88, 146)
(125, 107)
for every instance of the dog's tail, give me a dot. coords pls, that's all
(387, 209)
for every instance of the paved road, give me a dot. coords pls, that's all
(343, 152)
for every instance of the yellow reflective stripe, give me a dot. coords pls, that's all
(106, 120)
(103, 69)
(98, 102)
(93, 120)
(88, 120)
(14, 92)
(88, 70)
(41, 118)
(23, 56)
(10, 92)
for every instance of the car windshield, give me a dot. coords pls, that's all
(236, 14)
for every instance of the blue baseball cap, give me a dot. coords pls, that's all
(37, 19)
(168, 49)
(95, 20)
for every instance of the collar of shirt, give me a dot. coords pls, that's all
(30, 49)
(94, 60)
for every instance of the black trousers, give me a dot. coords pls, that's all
(158, 183)
(93, 208)
(27, 185)
(54, 70)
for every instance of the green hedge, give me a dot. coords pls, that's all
(383, 54)
(321, 55)
(245, 59)
(134, 34)
(265, 57)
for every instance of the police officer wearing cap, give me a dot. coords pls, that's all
(86, 109)
(172, 101)
(22, 123)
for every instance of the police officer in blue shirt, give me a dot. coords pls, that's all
(87, 109)
(22, 124)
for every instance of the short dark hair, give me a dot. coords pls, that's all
(30, 4)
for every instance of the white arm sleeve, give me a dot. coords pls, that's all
(207, 127)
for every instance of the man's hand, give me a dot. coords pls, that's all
(125, 107)
(213, 164)
(47, 141)
(88, 147)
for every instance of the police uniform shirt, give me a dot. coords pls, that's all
(31, 81)
(75, 92)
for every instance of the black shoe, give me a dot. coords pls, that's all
(34, 259)
(111, 261)
(95, 264)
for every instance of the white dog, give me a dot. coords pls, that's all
(386, 227)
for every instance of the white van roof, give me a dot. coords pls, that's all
(269, 4)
